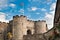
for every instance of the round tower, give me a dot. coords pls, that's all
(40, 27)
(18, 23)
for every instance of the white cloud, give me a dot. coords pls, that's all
(49, 2)
(56, 0)
(43, 9)
(49, 19)
(3, 3)
(34, 8)
(33, 0)
(12, 5)
(37, 13)
(3, 17)
(21, 11)
(50, 16)
(53, 6)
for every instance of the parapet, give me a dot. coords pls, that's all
(22, 16)
(43, 21)
(16, 16)
(30, 20)
(40, 21)
(11, 21)
(3, 22)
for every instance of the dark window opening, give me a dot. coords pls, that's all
(28, 31)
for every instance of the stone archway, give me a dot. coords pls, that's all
(28, 31)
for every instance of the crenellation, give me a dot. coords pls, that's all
(41, 21)
(20, 26)
(30, 20)
(22, 15)
(23, 25)
(15, 16)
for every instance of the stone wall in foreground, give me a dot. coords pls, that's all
(50, 35)
(33, 37)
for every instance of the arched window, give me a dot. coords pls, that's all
(28, 31)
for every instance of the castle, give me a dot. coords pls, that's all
(23, 29)
(21, 26)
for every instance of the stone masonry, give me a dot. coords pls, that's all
(23, 29)
(21, 26)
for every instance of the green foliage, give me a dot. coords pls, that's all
(9, 35)
(58, 28)
(56, 37)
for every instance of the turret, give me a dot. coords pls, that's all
(40, 27)
(18, 26)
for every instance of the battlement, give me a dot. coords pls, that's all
(3, 22)
(36, 20)
(15, 16)
(28, 19)
(41, 21)
(25, 26)
(22, 16)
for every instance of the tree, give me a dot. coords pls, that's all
(9, 35)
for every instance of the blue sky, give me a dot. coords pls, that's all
(33, 9)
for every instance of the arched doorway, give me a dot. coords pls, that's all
(28, 31)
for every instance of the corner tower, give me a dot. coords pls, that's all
(40, 27)
(18, 27)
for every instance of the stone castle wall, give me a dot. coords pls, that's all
(3, 30)
(40, 27)
(34, 37)
(18, 25)
(22, 26)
